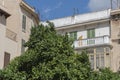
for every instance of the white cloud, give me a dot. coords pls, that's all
(47, 10)
(96, 5)
(58, 5)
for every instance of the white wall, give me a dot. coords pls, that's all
(82, 33)
(81, 18)
(100, 30)
(104, 29)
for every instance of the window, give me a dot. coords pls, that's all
(97, 57)
(6, 59)
(90, 33)
(100, 60)
(91, 58)
(23, 23)
(73, 35)
(22, 46)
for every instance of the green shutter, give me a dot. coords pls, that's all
(73, 35)
(91, 33)
(24, 22)
(22, 46)
(88, 33)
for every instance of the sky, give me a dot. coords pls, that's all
(53, 9)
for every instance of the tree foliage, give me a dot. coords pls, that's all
(50, 57)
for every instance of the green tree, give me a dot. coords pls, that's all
(49, 57)
(104, 74)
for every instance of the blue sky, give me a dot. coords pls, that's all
(52, 9)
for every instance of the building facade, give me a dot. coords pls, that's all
(4, 14)
(16, 29)
(98, 33)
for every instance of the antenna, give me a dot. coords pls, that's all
(76, 11)
(111, 3)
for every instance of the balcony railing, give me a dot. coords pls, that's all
(92, 41)
(11, 35)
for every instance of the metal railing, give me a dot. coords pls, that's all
(92, 41)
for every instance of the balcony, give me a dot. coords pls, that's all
(102, 40)
(4, 11)
(11, 35)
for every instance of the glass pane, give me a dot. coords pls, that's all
(99, 50)
(92, 61)
(97, 61)
(102, 61)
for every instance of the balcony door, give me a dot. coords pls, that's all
(90, 36)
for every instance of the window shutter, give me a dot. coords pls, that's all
(6, 59)
(24, 23)
(91, 33)
(73, 35)
(22, 46)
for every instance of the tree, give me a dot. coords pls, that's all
(49, 57)
(104, 74)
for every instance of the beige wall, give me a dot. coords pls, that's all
(115, 27)
(14, 22)
(2, 40)
(10, 47)
(2, 2)
(11, 32)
